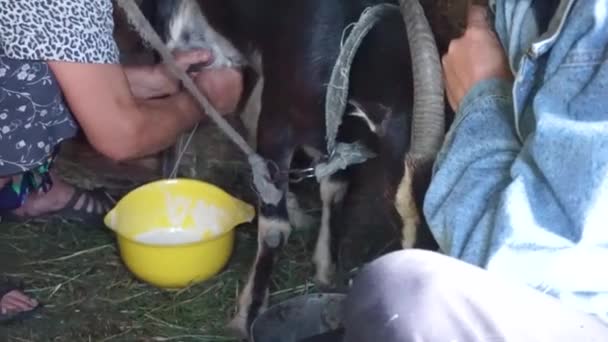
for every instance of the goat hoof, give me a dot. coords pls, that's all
(407, 243)
(238, 328)
(325, 287)
(325, 282)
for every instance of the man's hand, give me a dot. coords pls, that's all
(474, 57)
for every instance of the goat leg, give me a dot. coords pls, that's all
(273, 226)
(333, 190)
(405, 204)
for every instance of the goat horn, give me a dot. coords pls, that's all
(428, 124)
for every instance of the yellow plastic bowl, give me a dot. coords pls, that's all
(172, 210)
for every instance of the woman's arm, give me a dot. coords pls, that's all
(102, 96)
(150, 81)
(118, 125)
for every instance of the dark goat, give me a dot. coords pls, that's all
(293, 46)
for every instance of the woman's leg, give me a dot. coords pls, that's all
(34, 121)
(42, 192)
(39, 202)
(414, 295)
(57, 199)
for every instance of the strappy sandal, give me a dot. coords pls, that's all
(86, 206)
(6, 288)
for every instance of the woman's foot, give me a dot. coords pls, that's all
(14, 304)
(66, 200)
(38, 204)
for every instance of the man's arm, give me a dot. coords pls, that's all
(531, 205)
(472, 170)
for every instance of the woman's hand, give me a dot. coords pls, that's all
(148, 82)
(474, 57)
(122, 127)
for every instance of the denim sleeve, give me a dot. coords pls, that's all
(520, 187)
(471, 171)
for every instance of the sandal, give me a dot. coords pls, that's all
(6, 318)
(86, 206)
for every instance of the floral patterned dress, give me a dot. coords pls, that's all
(34, 118)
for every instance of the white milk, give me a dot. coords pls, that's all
(206, 217)
(168, 237)
(177, 209)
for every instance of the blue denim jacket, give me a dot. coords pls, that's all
(521, 185)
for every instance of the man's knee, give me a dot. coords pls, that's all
(394, 296)
(411, 269)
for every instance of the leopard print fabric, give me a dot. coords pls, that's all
(58, 30)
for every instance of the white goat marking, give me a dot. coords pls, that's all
(189, 21)
(189, 29)
(407, 209)
(297, 216)
(360, 113)
(331, 192)
(238, 324)
(268, 228)
(312, 152)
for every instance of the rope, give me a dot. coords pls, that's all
(343, 155)
(261, 177)
(340, 155)
(182, 149)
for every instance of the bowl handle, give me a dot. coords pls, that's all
(110, 219)
(246, 213)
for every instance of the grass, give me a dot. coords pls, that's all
(90, 296)
(88, 293)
